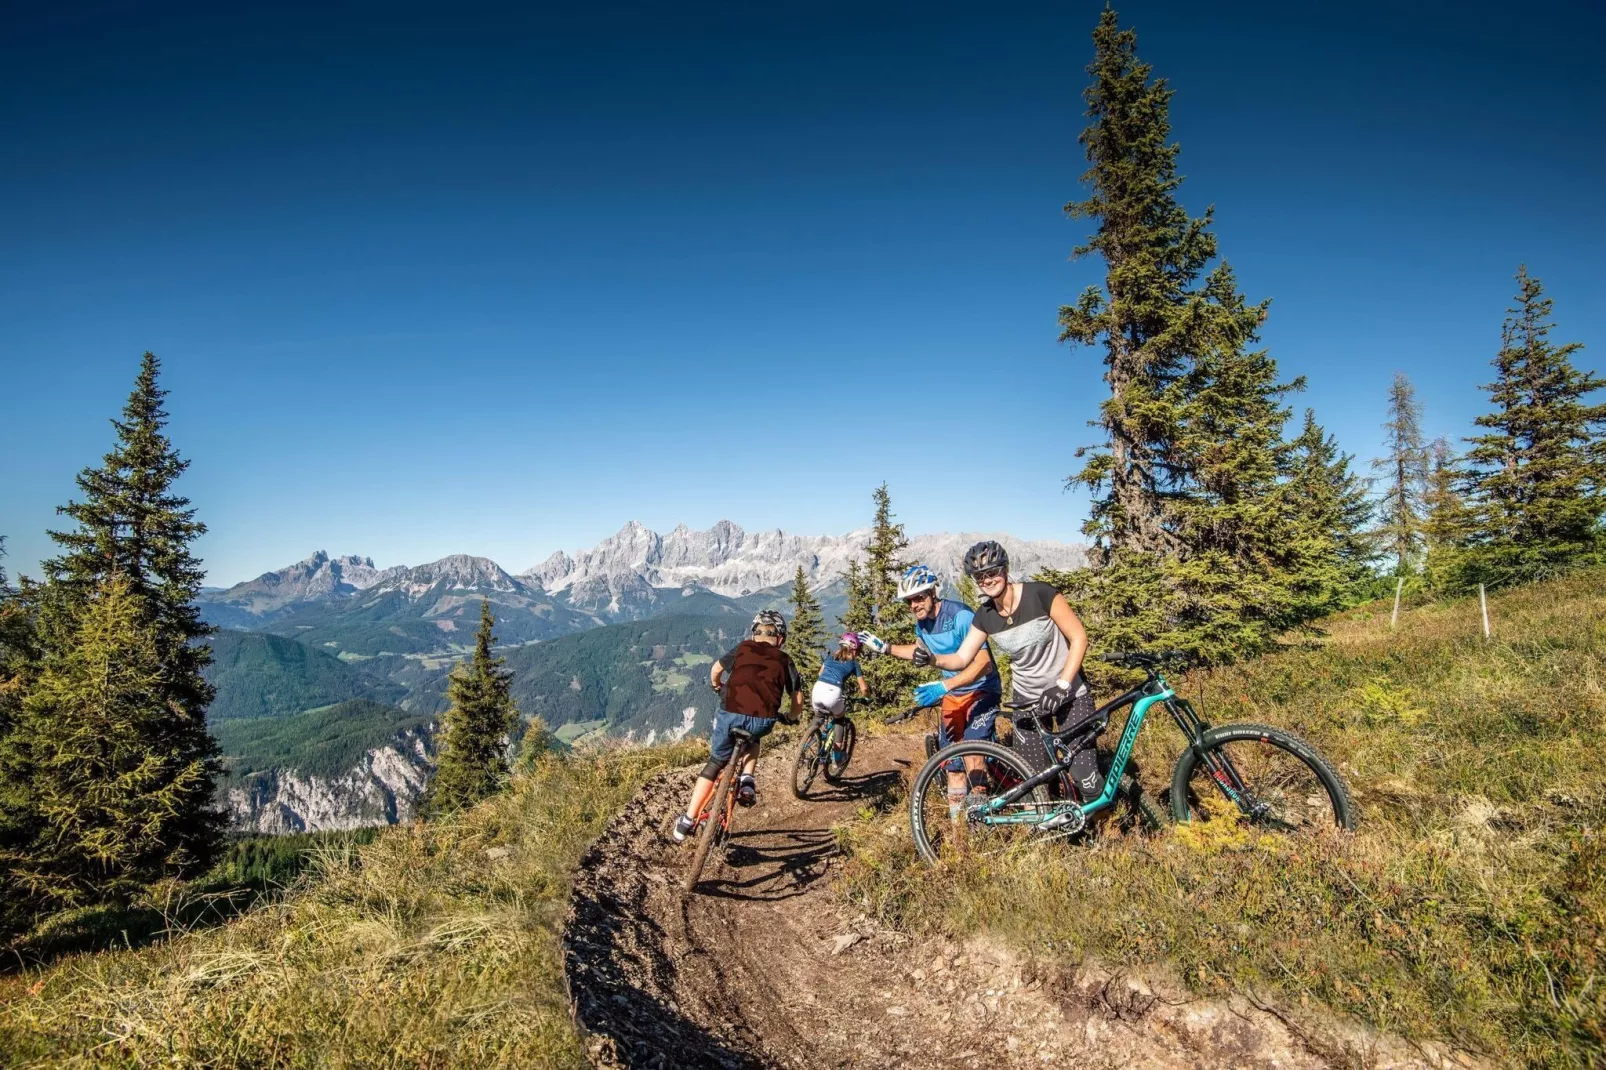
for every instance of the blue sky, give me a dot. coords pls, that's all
(496, 281)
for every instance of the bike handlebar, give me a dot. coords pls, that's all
(1136, 660)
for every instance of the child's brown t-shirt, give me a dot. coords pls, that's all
(757, 674)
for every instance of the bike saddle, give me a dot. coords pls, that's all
(742, 734)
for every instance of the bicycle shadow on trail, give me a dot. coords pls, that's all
(769, 871)
(875, 789)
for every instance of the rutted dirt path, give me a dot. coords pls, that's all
(764, 967)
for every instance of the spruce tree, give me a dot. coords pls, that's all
(95, 801)
(891, 680)
(1447, 525)
(132, 525)
(1538, 476)
(805, 635)
(860, 615)
(1334, 511)
(1195, 544)
(19, 650)
(1405, 472)
(472, 758)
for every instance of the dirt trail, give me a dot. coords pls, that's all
(764, 967)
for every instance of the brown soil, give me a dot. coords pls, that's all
(763, 966)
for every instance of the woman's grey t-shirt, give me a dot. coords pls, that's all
(1034, 643)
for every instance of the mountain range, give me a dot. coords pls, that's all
(331, 671)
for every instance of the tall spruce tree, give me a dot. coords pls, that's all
(1405, 473)
(19, 651)
(1538, 476)
(472, 759)
(131, 524)
(95, 801)
(805, 636)
(890, 680)
(1194, 543)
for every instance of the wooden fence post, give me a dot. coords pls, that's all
(1395, 617)
(1483, 604)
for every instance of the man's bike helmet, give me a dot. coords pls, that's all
(773, 618)
(985, 555)
(915, 579)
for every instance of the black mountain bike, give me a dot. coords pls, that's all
(827, 748)
(1266, 776)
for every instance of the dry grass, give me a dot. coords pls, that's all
(1470, 908)
(436, 945)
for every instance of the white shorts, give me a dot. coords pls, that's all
(827, 699)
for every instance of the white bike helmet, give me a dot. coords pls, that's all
(917, 578)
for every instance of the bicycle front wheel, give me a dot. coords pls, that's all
(1261, 775)
(838, 757)
(714, 822)
(939, 824)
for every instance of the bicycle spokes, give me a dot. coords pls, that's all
(1268, 785)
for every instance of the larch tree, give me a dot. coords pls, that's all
(1404, 472)
(471, 761)
(95, 802)
(805, 634)
(1538, 474)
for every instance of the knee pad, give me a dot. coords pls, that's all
(712, 770)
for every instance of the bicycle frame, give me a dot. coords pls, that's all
(1142, 699)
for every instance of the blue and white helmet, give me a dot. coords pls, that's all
(915, 579)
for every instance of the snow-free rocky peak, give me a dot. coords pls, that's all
(457, 572)
(730, 561)
(317, 577)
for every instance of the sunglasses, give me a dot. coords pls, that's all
(769, 633)
(990, 574)
(923, 596)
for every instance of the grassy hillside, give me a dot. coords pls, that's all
(434, 945)
(324, 741)
(259, 675)
(1471, 906)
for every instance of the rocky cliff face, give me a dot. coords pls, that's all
(381, 789)
(732, 562)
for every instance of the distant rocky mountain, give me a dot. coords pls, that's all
(734, 563)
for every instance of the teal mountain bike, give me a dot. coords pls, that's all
(827, 748)
(1264, 776)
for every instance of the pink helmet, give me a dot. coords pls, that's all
(850, 640)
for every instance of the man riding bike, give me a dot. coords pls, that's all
(969, 691)
(759, 672)
(1045, 641)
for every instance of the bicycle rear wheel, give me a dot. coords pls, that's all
(715, 822)
(807, 766)
(1261, 775)
(936, 830)
(834, 767)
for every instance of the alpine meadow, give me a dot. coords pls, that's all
(1251, 719)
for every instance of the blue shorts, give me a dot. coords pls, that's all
(723, 744)
(969, 715)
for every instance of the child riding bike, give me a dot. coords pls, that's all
(759, 672)
(968, 693)
(837, 668)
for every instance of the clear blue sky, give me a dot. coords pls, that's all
(496, 281)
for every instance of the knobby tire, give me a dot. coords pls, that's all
(933, 776)
(1247, 736)
(711, 828)
(834, 770)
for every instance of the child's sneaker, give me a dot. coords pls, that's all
(746, 791)
(684, 826)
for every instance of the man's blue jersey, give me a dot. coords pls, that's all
(945, 633)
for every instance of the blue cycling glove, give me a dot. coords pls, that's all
(930, 694)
